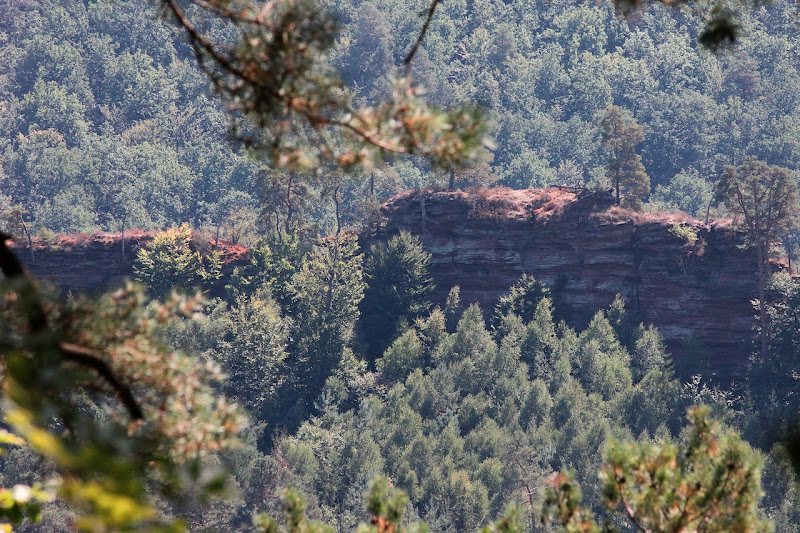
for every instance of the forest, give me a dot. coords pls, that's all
(321, 389)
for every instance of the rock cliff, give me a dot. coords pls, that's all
(692, 281)
(91, 263)
(695, 283)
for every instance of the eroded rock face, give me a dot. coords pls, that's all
(483, 240)
(588, 251)
(92, 263)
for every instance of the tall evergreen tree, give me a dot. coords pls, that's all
(399, 286)
(328, 289)
(619, 136)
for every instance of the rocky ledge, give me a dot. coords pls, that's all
(84, 263)
(692, 281)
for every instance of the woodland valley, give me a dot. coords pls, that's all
(384, 266)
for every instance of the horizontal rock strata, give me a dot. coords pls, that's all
(697, 293)
(92, 263)
(587, 250)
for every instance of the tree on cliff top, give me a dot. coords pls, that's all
(619, 136)
(168, 262)
(277, 81)
(764, 201)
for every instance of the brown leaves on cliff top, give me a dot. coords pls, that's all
(496, 203)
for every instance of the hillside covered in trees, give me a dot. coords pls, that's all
(223, 383)
(108, 122)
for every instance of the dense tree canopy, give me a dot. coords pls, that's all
(117, 402)
(108, 123)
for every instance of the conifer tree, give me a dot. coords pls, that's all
(399, 288)
(619, 136)
(328, 289)
(710, 483)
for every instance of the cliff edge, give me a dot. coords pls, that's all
(91, 263)
(690, 280)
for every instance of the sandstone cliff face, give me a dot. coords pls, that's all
(91, 263)
(483, 240)
(588, 251)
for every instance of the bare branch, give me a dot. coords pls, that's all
(431, 10)
(37, 322)
(81, 356)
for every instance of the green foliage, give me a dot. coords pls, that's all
(280, 66)
(772, 377)
(685, 233)
(398, 290)
(168, 262)
(327, 291)
(467, 418)
(523, 299)
(386, 506)
(401, 358)
(764, 199)
(49, 106)
(107, 124)
(12, 218)
(710, 483)
(620, 135)
(253, 351)
(78, 363)
(687, 192)
(143, 141)
(271, 268)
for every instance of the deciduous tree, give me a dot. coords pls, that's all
(764, 200)
(168, 261)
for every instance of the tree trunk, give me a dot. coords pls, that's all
(372, 183)
(122, 239)
(336, 204)
(787, 243)
(216, 240)
(289, 210)
(332, 275)
(27, 234)
(762, 286)
(452, 179)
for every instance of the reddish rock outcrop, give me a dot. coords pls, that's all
(91, 263)
(483, 240)
(588, 251)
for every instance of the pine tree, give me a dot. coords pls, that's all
(710, 483)
(619, 136)
(764, 200)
